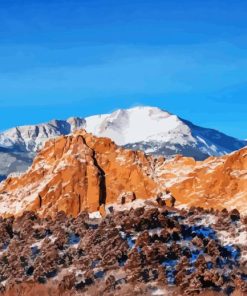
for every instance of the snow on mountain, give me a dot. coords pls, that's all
(31, 138)
(159, 132)
(134, 125)
(147, 128)
(11, 161)
(19, 145)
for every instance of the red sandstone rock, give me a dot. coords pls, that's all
(82, 172)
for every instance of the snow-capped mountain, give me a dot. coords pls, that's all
(31, 138)
(158, 132)
(147, 128)
(19, 145)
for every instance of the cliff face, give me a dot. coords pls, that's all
(80, 171)
(77, 172)
(216, 182)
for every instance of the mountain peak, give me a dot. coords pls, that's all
(134, 125)
(146, 128)
(145, 109)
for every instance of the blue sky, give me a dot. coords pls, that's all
(64, 58)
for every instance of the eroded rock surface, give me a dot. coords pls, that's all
(82, 172)
(75, 173)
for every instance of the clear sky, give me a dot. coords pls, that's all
(75, 58)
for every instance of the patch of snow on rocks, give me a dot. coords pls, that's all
(95, 215)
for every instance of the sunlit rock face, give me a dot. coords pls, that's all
(77, 172)
(83, 172)
(218, 182)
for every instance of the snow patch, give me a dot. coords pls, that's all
(95, 215)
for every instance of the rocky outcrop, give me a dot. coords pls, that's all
(218, 182)
(82, 172)
(77, 172)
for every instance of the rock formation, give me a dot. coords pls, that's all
(77, 172)
(218, 182)
(82, 172)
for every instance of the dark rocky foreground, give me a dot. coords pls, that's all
(142, 251)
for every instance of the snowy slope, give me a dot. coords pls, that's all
(30, 138)
(147, 128)
(159, 132)
(11, 161)
(135, 125)
(19, 145)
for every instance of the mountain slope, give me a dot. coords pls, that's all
(150, 129)
(32, 137)
(158, 132)
(11, 161)
(19, 145)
